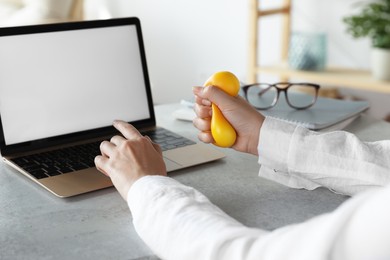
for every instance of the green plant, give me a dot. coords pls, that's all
(373, 22)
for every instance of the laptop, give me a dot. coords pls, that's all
(61, 87)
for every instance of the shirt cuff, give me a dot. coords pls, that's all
(142, 188)
(286, 179)
(274, 143)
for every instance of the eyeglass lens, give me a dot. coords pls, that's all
(264, 96)
(301, 96)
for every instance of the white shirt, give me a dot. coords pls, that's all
(178, 222)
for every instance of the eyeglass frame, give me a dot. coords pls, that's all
(279, 89)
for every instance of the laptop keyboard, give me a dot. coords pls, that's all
(59, 161)
(79, 157)
(167, 140)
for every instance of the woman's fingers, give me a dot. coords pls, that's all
(202, 111)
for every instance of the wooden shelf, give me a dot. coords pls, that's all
(338, 77)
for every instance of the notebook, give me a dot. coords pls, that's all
(62, 85)
(326, 112)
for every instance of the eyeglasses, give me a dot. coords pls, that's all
(263, 96)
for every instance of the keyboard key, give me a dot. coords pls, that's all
(39, 174)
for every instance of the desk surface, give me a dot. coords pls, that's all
(34, 224)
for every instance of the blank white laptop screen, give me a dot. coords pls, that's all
(63, 82)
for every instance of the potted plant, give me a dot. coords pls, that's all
(374, 22)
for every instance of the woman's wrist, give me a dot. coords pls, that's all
(254, 140)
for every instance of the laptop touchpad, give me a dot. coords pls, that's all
(171, 165)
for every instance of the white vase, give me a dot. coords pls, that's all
(380, 63)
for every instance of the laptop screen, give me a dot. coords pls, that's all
(60, 82)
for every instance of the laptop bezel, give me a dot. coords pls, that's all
(8, 150)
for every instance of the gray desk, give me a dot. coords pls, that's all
(36, 225)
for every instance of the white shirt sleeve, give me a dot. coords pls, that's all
(300, 158)
(178, 222)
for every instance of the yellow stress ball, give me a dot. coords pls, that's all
(222, 131)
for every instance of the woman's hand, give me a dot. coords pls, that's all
(246, 120)
(127, 158)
